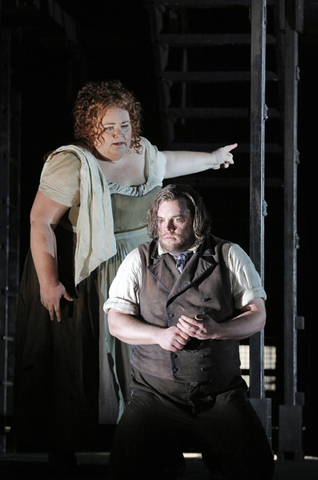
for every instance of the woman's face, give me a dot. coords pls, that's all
(115, 140)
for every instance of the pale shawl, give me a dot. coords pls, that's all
(95, 230)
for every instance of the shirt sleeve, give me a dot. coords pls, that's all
(245, 281)
(60, 179)
(124, 292)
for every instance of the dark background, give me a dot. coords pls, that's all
(114, 41)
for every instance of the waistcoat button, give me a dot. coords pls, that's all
(170, 315)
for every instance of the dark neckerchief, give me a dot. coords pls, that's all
(181, 259)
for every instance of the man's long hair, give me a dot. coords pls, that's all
(200, 215)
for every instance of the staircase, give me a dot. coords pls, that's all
(204, 78)
(212, 79)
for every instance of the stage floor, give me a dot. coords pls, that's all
(94, 466)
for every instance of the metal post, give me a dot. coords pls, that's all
(257, 201)
(290, 414)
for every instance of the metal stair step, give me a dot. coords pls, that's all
(204, 3)
(212, 182)
(209, 40)
(212, 77)
(214, 112)
(270, 148)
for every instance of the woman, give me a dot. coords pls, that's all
(89, 212)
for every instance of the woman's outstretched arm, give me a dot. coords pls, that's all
(185, 163)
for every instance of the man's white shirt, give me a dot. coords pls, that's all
(124, 292)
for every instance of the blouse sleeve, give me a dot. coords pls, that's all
(60, 179)
(156, 161)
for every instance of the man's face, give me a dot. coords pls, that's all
(175, 229)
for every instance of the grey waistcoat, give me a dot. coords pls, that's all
(202, 287)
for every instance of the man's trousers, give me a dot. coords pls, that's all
(153, 428)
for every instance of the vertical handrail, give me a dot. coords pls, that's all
(257, 177)
(290, 211)
(290, 413)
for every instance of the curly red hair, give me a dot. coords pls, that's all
(90, 108)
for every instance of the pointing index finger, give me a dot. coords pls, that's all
(231, 147)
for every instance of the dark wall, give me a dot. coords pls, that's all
(113, 43)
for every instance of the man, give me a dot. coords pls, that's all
(183, 301)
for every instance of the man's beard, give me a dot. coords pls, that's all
(179, 245)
